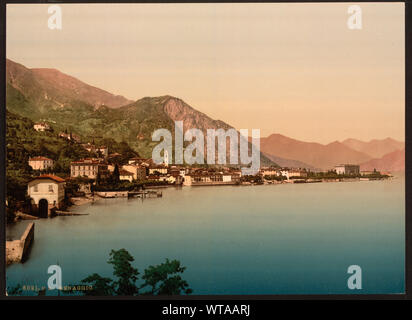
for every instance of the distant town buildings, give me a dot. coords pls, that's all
(40, 163)
(297, 173)
(41, 126)
(351, 169)
(46, 192)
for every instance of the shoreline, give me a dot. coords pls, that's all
(80, 201)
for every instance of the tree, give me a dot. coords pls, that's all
(116, 174)
(163, 279)
(100, 286)
(123, 270)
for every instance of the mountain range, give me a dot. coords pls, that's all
(70, 104)
(392, 162)
(375, 148)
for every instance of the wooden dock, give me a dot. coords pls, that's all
(144, 194)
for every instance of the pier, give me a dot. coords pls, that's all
(145, 194)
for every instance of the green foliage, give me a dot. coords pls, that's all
(163, 279)
(116, 174)
(274, 177)
(124, 271)
(24, 142)
(252, 179)
(15, 291)
(100, 286)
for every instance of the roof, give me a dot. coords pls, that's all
(49, 176)
(39, 159)
(87, 161)
(125, 173)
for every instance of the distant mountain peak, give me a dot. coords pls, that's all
(376, 148)
(59, 87)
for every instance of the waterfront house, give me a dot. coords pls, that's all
(347, 169)
(158, 169)
(153, 178)
(297, 173)
(89, 168)
(284, 172)
(41, 126)
(46, 193)
(40, 163)
(139, 172)
(269, 172)
(210, 178)
(366, 173)
(125, 175)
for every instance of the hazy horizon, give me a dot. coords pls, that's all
(317, 81)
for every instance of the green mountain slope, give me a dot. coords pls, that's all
(30, 95)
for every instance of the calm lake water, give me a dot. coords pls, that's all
(269, 239)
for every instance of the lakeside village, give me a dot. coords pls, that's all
(102, 177)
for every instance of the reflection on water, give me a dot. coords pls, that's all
(272, 239)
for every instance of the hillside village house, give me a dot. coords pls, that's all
(41, 126)
(40, 163)
(46, 192)
(89, 168)
(103, 150)
(70, 136)
(141, 161)
(139, 172)
(347, 169)
(89, 147)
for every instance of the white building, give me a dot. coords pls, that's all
(41, 126)
(40, 163)
(46, 192)
(347, 169)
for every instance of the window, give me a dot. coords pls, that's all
(36, 188)
(50, 188)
